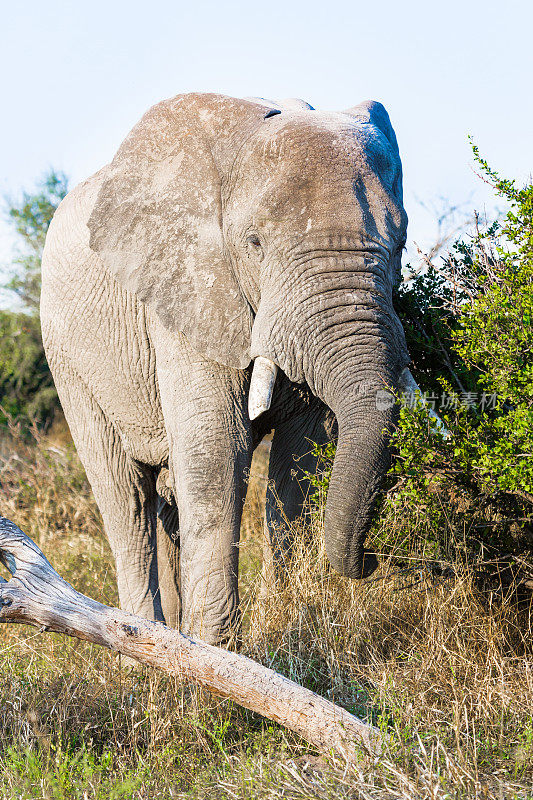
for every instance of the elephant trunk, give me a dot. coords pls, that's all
(356, 378)
(347, 344)
(361, 460)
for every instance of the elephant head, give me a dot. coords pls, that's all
(274, 233)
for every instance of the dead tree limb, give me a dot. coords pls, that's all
(37, 595)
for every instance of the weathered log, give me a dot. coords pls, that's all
(37, 595)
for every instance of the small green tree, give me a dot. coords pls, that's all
(27, 390)
(30, 219)
(479, 483)
(494, 337)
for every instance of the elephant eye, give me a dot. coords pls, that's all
(255, 247)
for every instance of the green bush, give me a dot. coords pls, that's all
(27, 392)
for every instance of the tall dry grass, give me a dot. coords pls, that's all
(444, 670)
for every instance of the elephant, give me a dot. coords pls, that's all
(230, 273)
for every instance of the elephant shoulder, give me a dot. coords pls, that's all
(69, 223)
(69, 268)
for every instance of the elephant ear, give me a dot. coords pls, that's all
(157, 222)
(374, 113)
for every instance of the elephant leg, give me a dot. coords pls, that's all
(210, 450)
(168, 562)
(125, 493)
(288, 489)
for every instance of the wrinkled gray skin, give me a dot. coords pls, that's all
(217, 235)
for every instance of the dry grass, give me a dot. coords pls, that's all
(445, 672)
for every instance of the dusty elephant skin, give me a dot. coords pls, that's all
(222, 232)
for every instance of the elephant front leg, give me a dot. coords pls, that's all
(210, 454)
(210, 597)
(210, 468)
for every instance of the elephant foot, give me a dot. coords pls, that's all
(227, 636)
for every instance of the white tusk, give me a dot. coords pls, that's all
(413, 392)
(261, 386)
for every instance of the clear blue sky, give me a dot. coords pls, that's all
(77, 75)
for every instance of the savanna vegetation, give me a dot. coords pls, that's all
(27, 391)
(434, 648)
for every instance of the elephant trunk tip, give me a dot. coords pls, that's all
(261, 386)
(355, 568)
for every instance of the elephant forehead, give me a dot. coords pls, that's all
(307, 172)
(301, 135)
(310, 159)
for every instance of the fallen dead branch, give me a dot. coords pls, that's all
(37, 595)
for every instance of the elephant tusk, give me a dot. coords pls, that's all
(412, 392)
(261, 386)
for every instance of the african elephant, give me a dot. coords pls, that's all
(227, 233)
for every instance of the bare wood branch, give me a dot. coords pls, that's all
(37, 595)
